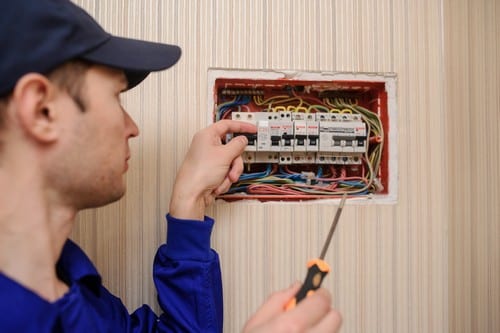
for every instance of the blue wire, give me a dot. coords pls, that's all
(292, 176)
(240, 100)
(351, 183)
(319, 174)
(255, 175)
(237, 189)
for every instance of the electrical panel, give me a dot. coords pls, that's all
(319, 135)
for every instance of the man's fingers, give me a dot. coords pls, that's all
(313, 314)
(236, 146)
(330, 323)
(236, 169)
(224, 127)
(223, 187)
(232, 152)
(273, 306)
(311, 309)
(233, 175)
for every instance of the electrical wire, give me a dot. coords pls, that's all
(285, 180)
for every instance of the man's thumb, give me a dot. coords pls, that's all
(237, 145)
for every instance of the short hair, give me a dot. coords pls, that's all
(4, 101)
(69, 77)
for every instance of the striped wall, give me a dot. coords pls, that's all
(472, 44)
(429, 263)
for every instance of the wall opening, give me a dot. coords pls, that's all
(319, 135)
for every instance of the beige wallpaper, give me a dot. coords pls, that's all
(472, 44)
(429, 263)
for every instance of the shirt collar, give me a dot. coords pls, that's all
(22, 310)
(74, 265)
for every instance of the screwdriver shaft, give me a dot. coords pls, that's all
(333, 226)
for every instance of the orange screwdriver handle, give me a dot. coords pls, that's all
(316, 272)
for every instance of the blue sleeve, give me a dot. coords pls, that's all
(188, 278)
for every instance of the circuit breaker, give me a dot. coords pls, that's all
(318, 135)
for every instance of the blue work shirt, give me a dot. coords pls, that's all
(186, 274)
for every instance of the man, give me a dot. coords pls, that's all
(64, 147)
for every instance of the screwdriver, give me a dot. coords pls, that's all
(317, 268)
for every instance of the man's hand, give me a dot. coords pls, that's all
(209, 168)
(313, 314)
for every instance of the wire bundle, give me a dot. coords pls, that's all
(303, 181)
(237, 104)
(283, 180)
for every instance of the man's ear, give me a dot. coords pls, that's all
(32, 96)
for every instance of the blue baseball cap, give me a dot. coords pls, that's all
(39, 35)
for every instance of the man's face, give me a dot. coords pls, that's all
(94, 154)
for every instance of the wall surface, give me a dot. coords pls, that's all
(472, 44)
(429, 263)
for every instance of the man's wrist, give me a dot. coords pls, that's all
(188, 206)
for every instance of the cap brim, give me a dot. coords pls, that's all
(137, 58)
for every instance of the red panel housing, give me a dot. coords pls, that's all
(370, 95)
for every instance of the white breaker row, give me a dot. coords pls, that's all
(287, 137)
